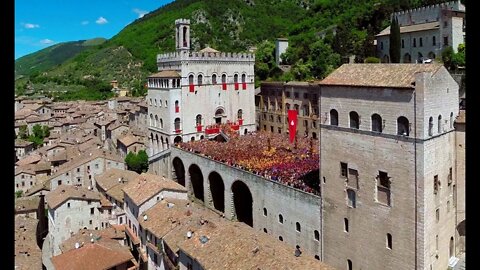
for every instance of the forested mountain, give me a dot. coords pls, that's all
(320, 33)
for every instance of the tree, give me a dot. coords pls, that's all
(22, 132)
(394, 41)
(447, 55)
(18, 193)
(137, 162)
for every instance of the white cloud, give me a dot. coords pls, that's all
(31, 25)
(101, 20)
(84, 22)
(140, 12)
(46, 41)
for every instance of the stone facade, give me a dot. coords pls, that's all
(276, 98)
(425, 32)
(194, 90)
(393, 227)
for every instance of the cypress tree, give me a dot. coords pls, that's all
(394, 41)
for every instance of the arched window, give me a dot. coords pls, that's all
(349, 265)
(156, 120)
(161, 123)
(333, 117)
(190, 84)
(177, 123)
(240, 114)
(376, 123)
(151, 103)
(439, 124)
(244, 81)
(451, 120)
(345, 224)
(160, 103)
(407, 58)
(235, 81)
(280, 218)
(265, 212)
(298, 227)
(402, 126)
(198, 120)
(177, 106)
(430, 126)
(305, 110)
(199, 79)
(224, 82)
(166, 103)
(214, 79)
(151, 119)
(316, 235)
(354, 120)
(155, 102)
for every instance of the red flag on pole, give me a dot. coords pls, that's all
(292, 124)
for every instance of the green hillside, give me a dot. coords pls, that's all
(321, 34)
(52, 56)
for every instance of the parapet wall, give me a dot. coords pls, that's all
(205, 56)
(426, 14)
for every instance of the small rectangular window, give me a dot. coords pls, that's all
(437, 215)
(343, 169)
(445, 41)
(403, 43)
(436, 184)
(383, 188)
(287, 94)
(295, 94)
(450, 176)
(421, 42)
(92, 211)
(389, 241)
(352, 179)
(305, 95)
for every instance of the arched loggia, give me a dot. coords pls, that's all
(179, 171)
(196, 178)
(217, 189)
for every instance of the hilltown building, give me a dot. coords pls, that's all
(425, 32)
(388, 166)
(194, 92)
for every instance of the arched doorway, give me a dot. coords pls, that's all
(196, 178)
(218, 115)
(243, 201)
(217, 188)
(179, 171)
(407, 58)
(177, 139)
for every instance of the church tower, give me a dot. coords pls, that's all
(182, 34)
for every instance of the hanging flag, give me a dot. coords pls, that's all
(292, 124)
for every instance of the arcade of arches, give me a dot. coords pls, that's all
(242, 197)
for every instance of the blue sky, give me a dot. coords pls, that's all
(42, 23)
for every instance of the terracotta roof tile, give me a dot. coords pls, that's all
(65, 192)
(147, 185)
(378, 75)
(412, 28)
(166, 74)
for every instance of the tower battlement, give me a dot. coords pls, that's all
(182, 21)
(205, 56)
(426, 14)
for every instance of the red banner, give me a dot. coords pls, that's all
(292, 124)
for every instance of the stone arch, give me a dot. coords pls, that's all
(179, 171)
(243, 202)
(407, 58)
(157, 147)
(178, 139)
(196, 180)
(431, 55)
(217, 189)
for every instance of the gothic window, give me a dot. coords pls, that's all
(333, 117)
(430, 126)
(156, 121)
(345, 225)
(402, 126)
(439, 124)
(280, 218)
(451, 120)
(376, 123)
(177, 123)
(434, 41)
(389, 241)
(198, 119)
(436, 184)
(414, 42)
(239, 114)
(298, 227)
(214, 79)
(354, 120)
(200, 79)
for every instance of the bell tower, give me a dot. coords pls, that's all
(182, 34)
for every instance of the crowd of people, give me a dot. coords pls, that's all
(269, 155)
